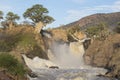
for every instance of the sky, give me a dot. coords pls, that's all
(63, 11)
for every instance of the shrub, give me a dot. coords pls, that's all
(26, 40)
(117, 29)
(7, 61)
(95, 30)
(99, 31)
(8, 42)
(11, 64)
(73, 29)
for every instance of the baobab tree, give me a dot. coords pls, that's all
(38, 14)
(11, 18)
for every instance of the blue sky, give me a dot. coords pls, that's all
(63, 11)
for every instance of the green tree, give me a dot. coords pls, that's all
(38, 14)
(1, 15)
(11, 18)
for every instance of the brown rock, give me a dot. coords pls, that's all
(105, 53)
(54, 67)
(3, 76)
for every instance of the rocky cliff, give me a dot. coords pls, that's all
(105, 54)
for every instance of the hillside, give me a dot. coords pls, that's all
(110, 19)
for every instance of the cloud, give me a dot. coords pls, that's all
(77, 14)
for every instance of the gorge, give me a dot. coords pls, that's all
(67, 61)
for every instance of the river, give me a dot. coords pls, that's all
(65, 63)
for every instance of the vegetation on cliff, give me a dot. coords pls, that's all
(12, 65)
(14, 43)
(17, 39)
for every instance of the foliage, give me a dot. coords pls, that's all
(8, 42)
(95, 30)
(38, 13)
(1, 15)
(12, 17)
(11, 64)
(74, 29)
(4, 46)
(7, 61)
(117, 29)
(26, 39)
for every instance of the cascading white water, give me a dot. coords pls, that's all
(62, 55)
(37, 63)
(67, 56)
(69, 59)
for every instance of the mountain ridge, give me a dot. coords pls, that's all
(110, 19)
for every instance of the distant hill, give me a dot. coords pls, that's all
(110, 19)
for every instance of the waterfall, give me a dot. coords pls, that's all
(61, 55)
(67, 55)
(37, 63)
(69, 59)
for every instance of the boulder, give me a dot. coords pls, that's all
(4, 76)
(54, 67)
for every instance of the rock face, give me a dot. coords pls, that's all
(59, 34)
(80, 35)
(105, 54)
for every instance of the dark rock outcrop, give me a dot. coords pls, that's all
(54, 67)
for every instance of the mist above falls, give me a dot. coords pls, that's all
(67, 55)
(61, 55)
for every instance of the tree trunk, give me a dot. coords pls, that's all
(38, 27)
(11, 25)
